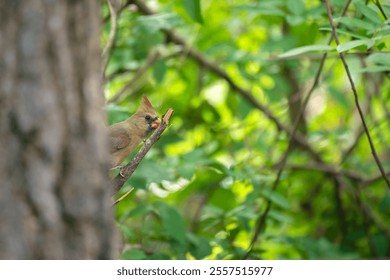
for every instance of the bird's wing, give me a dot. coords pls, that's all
(119, 139)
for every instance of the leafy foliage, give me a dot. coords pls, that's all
(202, 188)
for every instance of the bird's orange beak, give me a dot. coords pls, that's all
(156, 123)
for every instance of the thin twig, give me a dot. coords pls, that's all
(328, 169)
(370, 90)
(111, 38)
(128, 169)
(375, 178)
(340, 208)
(349, 150)
(372, 147)
(119, 11)
(219, 71)
(260, 222)
(123, 197)
(318, 56)
(122, 71)
(370, 215)
(153, 56)
(378, 4)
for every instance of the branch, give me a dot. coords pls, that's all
(369, 215)
(129, 168)
(124, 70)
(375, 178)
(327, 169)
(111, 38)
(260, 222)
(123, 197)
(213, 67)
(378, 4)
(372, 147)
(153, 56)
(119, 11)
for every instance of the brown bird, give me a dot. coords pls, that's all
(125, 136)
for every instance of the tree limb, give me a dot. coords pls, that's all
(357, 103)
(123, 197)
(260, 222)
(129, 168)
(111, 37)
(217, 70)
(327, 169)
(153, 56)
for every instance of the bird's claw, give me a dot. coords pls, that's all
(116, 167)
(120, 169)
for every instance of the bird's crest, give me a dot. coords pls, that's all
(145, 105)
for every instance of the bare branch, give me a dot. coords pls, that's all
(111, 38)
(369, 215)
(372, 147)
(129, 168)
(217, 70)
(378, 4)
(123, 197)
(260, 222)
(153, 56)
(125, 70)
(328, 169)
(375, 178)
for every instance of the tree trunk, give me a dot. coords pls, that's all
(54, 198)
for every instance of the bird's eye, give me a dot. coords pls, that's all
(148, 118)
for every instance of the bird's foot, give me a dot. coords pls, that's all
(116, 167)
(120, 169)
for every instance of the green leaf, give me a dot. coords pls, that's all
(244, 108)
(320, 249)
(158, 256)
(199, 246)
(305, 49)
(386, 8)
(344, 32)
(368, 12)
(279, 216)
(294, 19)
(191, 162)
(385, 204)
(382, 33)
(116, 113)
(133, 254)
(154, 23)
(145, 36)
(380, 58)
(193, 9)
(276, 198)
(151, 171)
(159, 70)
(356, 23)
(297, 7)
(127, 231)
(381, 243)
(172, 222)
(340, 97)
(374, 69)
(353, 44)
(260, 8)
(223, 199)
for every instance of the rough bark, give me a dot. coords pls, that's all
(53, 173)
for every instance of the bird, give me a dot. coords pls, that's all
(126, 135)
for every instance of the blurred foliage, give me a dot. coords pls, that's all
(203, 186)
